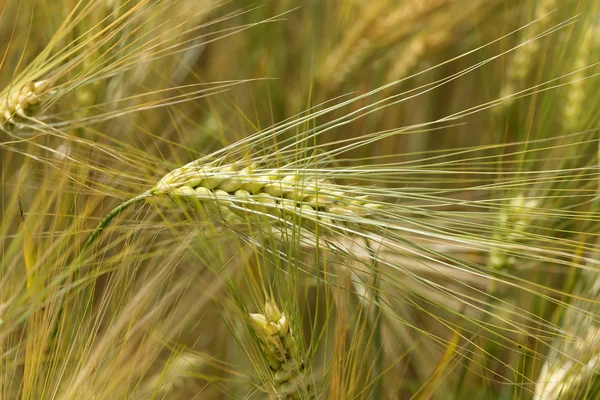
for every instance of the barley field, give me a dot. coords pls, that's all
(299, 199)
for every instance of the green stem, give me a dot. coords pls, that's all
(377, 339)
(92, 238)
(108, 218)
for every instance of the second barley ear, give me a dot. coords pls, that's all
(280, 349)
(513, 222)
(16, 102)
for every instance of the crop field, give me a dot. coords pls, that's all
(299, 199)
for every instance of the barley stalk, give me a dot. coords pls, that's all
(281, 351)
(108, 218)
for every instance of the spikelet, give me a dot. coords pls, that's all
(411, 55)
(281, 351)
(283, 194)
(16, 101)
(574, 98)
(513, 222)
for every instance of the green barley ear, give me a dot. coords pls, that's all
(282, 194)
(524, 58)
(237, 191)
(513, 221)
(575, 97)
(176, 374)
(281, 351)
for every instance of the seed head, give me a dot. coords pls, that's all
(16, 101)
(280, 350)
(284, 194)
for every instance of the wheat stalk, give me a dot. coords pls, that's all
(17, 101)
(281, 351)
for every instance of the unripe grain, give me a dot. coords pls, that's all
(17, 101)
(281, 351)
(280, 193)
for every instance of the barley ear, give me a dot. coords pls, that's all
(283, 195)
(280, 350)
(513, 221)
(573, 110)
(16, 101)
(573, 361)
(525, 56)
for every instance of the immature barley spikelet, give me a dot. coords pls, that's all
(280, 350)
(16, 101)
(414, 52)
